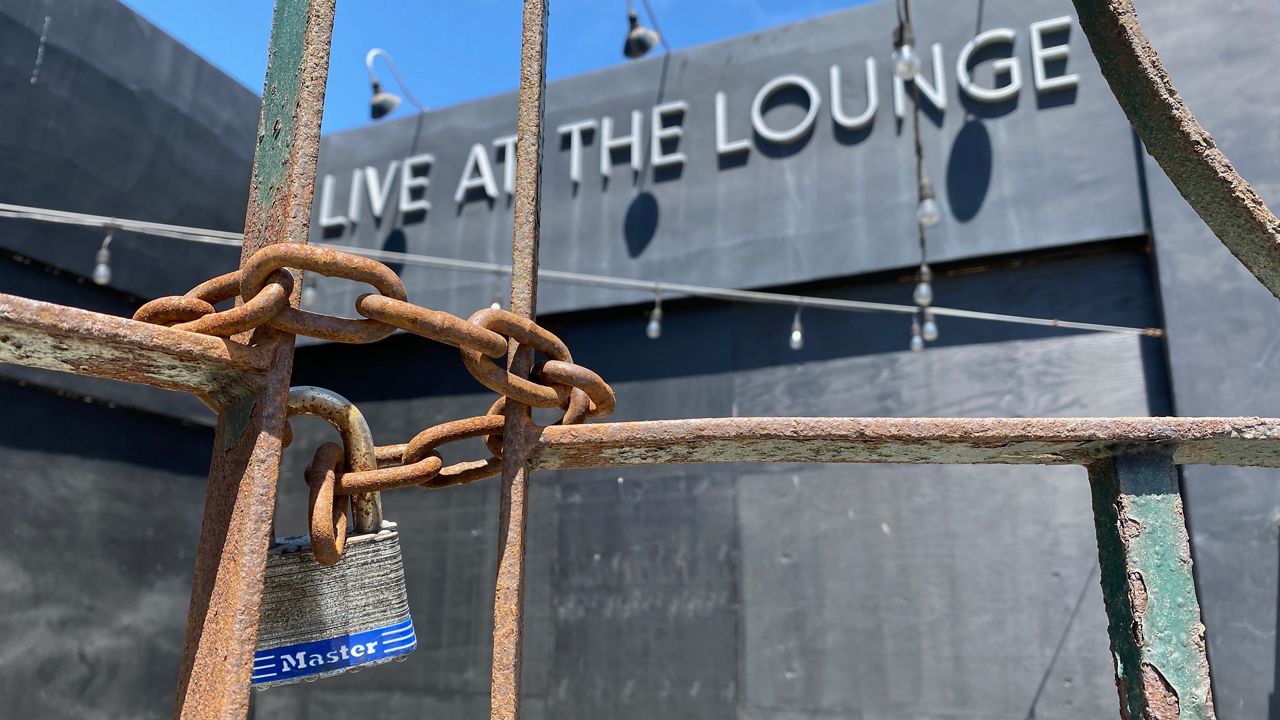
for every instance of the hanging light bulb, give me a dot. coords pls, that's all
(906, 62)
(102, 262)
(928, 213)
(797, 332)
(917, 342)
(930, 329)
(923, 294)
(654, 329)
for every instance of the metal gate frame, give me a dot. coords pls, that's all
(1157, 638)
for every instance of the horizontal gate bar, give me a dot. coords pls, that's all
(54, 337)
(958, 441)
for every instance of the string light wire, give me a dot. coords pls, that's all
(234, 239)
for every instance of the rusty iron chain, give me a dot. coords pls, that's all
(265, 285)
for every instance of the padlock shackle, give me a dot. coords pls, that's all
(357, 443)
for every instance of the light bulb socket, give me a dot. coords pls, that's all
(925, 275)
(103, 257)
(926, 190)
(903, 36)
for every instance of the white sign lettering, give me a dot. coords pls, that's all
(616, 142)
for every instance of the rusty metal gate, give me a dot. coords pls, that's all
(239, 361)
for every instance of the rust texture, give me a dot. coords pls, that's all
(567, 374)
(1186, 152)
(357, 444)
(327, 516)
(259, 267)
(432, 324)
(226, 592)
(53, 337)
(508, 597)
(172, 310)
(1157, 637)
(1039, 441)
(512, 383)
(273, 300)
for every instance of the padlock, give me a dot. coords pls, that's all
(318, 620)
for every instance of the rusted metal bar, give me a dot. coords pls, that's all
(519, 432)
(226, 593)
(1185, 150)
(1038, 441)
(357, 442)
(54, 337)
(1157, 638)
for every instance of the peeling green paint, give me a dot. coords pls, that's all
(235, 418)
(1157, 638)
(279, 99)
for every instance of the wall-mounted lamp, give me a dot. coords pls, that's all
(640, 39)
(383, 103)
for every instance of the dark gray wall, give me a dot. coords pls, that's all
(99, 544)
(117, 119)
(123, 121)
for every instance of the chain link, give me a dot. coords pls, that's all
(328, 513)
(265, 286)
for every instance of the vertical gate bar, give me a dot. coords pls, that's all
(518, 433)
(226, 592)
(1157, 638)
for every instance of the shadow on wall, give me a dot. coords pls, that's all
(969, 170)
(396, 242)
(641, 223)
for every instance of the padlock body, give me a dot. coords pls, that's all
(318, 621)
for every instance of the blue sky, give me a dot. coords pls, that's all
(451, 52)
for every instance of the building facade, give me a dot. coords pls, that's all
(781, 160)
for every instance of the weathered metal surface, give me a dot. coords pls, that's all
(1185, 150)
(1037, 441)
(432, 324)
(53, 337)
(597, 390)
(326, 511)
(358, 606)
(508, 596)
(425, 442)
(170, 310)
(272, 300)
(326, 261)
(1157, 638)
(357, 445)
(226, 592)
(509, 382)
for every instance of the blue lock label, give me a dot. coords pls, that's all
(322, 657)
